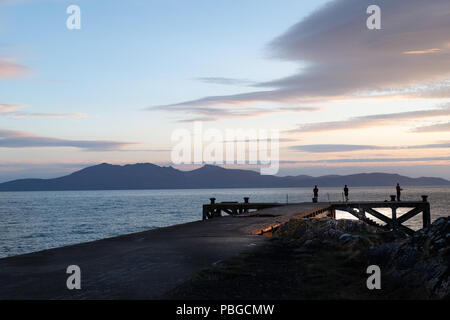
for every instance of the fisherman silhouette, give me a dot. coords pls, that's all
(399, 189)
(316, 193)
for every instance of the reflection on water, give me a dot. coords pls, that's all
(32, 221)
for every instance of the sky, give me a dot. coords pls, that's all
(345, 98)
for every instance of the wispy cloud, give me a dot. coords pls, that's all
(215, 113)
(21, 139)
(439, 127)
(371, 160)
(12, 69)
(13, 110)
(48, 115)
(372, 120)
(330, 148)
(6, 109)
(434, 50)
(226, 81)
(342, 58)
(360, 160)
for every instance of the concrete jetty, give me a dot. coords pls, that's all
(146, 265)
(142, 265)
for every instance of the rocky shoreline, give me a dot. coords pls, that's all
(327, 259)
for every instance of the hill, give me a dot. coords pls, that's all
(149, 176)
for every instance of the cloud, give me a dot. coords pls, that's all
(226, 81)
(434, 50)
(372, 120)
(385, 160)
(439, 127)
(20, 139)
(365, 160)
(48, 115)
(340, 57)
(280, 140)
(12, 69)
(215, 113)
(326, 148)
(6, 109)
(12, 110)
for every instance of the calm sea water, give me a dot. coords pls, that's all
(33, 221)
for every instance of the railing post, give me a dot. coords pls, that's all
(426, 215)
(394, 218)
(333, 213)
(205, 212)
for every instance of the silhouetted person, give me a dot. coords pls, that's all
(399, 191)
(346, 193)
(316, 193)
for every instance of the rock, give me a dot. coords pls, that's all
(302, 250)
(419, 262)
(345, 237)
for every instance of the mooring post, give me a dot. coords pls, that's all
(393, 197)
(246, 201)
(424, 198)
(215, 211)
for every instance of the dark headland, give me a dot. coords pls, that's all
(149, 176)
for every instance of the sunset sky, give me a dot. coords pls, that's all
(345, 99)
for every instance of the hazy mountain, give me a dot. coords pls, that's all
(149, 176)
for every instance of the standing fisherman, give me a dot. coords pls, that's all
(346, 193)
(399, 189)
(316, 193)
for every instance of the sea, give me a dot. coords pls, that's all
(34, 221)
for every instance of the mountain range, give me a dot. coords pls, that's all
(150, 176)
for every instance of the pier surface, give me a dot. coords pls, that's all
(142, 265)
